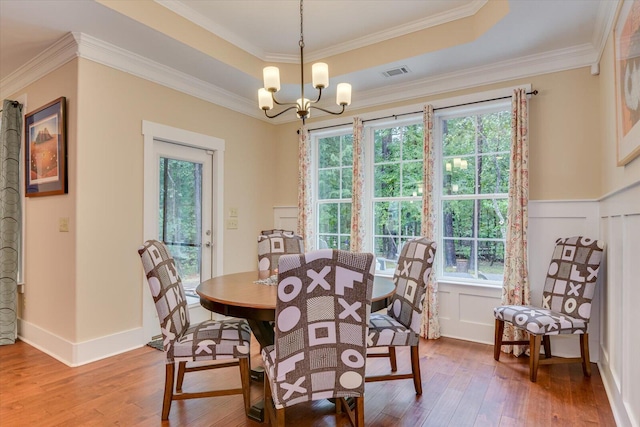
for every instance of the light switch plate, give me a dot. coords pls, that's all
(233, 212)
(232, 223)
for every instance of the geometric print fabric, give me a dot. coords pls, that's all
(275, 244)
(322, 309)
(568, 290)
(208, 340)
(401, 325)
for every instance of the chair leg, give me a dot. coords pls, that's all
(546, 342)
(168, 390)
(392, 359)
(415, 368)
(497, 339)
(182, 366)
(359, 411)
(245, 377)
(584, 354)
(534, 357)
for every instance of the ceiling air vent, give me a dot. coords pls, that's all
(396, 71)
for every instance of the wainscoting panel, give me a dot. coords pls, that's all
(619, 340)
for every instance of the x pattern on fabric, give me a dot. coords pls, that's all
(401, 325)
(208, 340)
(568, 291)
(275, 244)
(323, 305)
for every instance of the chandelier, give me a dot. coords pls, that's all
(303, 106)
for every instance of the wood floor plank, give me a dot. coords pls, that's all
(462, 386)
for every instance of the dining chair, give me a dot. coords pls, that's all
(272, 245)
(400, 325)
(183, 342)
(276, 231)
(566, 305)
(322, 309)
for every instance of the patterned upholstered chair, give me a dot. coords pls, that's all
(324, 301)
(400, 326)
(207, 341)
(274, 243)
(566, 304)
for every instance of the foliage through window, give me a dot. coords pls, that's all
(473, 152)
(475, 183)
(334, 179)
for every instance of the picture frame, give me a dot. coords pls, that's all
(627, 81)
(46, 150)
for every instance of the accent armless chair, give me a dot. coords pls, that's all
(272, 244)
(400, 326)
(322, 310)
(183, 342)
(566, 304)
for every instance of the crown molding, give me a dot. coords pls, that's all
(112, 56)
(189, 14)
(61, 52)
(81, 45)
(532, 65)
(461, 12)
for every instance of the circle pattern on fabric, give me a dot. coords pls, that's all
(553, 268)
(350, 380)
(521, 319)
(289, 288)
(397, 307)
(155, 286)
(352, 358)
(288, 318)
(570, 305)
(585, 310)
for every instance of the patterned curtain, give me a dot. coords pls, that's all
(305, 225)
(10, 217)
(515, 290)
(430, 323)
(357, 188)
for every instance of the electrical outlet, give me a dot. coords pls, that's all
(233, 212)
(232, 223)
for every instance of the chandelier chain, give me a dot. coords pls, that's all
(301, 43)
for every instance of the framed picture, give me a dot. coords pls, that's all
(627, 80)
(46, 150)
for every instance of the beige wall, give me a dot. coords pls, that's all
(50, 293)
(87, 283)
(567, 123)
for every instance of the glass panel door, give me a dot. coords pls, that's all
(184, 211)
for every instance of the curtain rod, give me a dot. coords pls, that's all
(14, 103)
(395, 116)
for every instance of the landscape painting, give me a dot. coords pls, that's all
(45, 155)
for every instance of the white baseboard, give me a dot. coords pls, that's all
(621, 413)
(76, 354)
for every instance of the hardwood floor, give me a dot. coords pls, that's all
(462, 386)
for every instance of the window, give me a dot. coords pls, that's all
(334, 178)
(397, 191)
(475, 183)
(473, 151)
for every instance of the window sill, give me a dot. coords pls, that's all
(477, 284)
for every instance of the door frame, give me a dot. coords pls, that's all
(154, 131)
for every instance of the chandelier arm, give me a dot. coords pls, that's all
(281, 112)
(319, 96)
(328, 111)
(282, 103)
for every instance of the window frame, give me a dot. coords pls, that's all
(439, 117)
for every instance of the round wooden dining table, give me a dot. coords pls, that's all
(238, 295)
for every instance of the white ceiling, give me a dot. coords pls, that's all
(536, 36)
